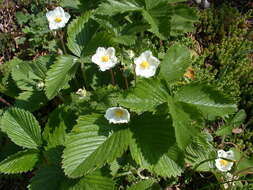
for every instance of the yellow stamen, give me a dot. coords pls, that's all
(144, 64)
(105, 58)
(224, 162)
(58, 19)
(119, 113)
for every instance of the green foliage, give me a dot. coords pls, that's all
(60, 121)
(19, 162)
(145, 97)
(59, 74)
(184, 122)
(80, 32)
(209, 101)
(160, 15)
(145, 185)
(175, 63)
(168, 139)
(29, 77)
(98, 145)
(43, 180)
(22, 128)
(200, 153)
(153, 145)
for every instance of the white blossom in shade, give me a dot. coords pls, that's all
(146, 64)
(57, 18)
(222, 163)
(105, 58)
(206, 4)
(198, 1)
(117, 115)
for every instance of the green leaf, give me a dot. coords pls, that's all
(47, 178)
(209, 101)
(153, 145)
(91, 144)
(59, 74)
(200, 154)
(185, 126)
(127, 40)
(80, 31)
(22, 161)
(159, 21)
(113, 7)
(224, 130)
(99, 39)
(238, 119)
(22, 128)
(60, 121)
(27, 76)
(52, 178)
(183, 18)
(146, 96)
(175, 63)
(38, 99)
(22, 73)
(95, 181)
(145, 185)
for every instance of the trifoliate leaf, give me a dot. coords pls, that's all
(60, 121)
(80, 32)
(22, 128)
(209, 101)
(22, 161)
(185, 126)
(91, 144)
(146, 96)
(153, 145)
(175, 63)
(59, 74)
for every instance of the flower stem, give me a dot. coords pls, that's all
(112, 76)
(126, 82)
(84, 74)
(4, 101)
(134, 75)
(61, 36)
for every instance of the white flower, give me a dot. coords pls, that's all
(40, 85)
(81, 92)
(105, 58)
(198, 1)
(146, 64)
(57, 18)
(206, 4)
(223, 164)
(117, 115)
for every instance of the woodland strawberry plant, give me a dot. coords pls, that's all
(114, 103)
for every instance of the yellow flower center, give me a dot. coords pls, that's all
(144, 64)
(224, 162)
(58, 19)
(119, 113)
(105, 58)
